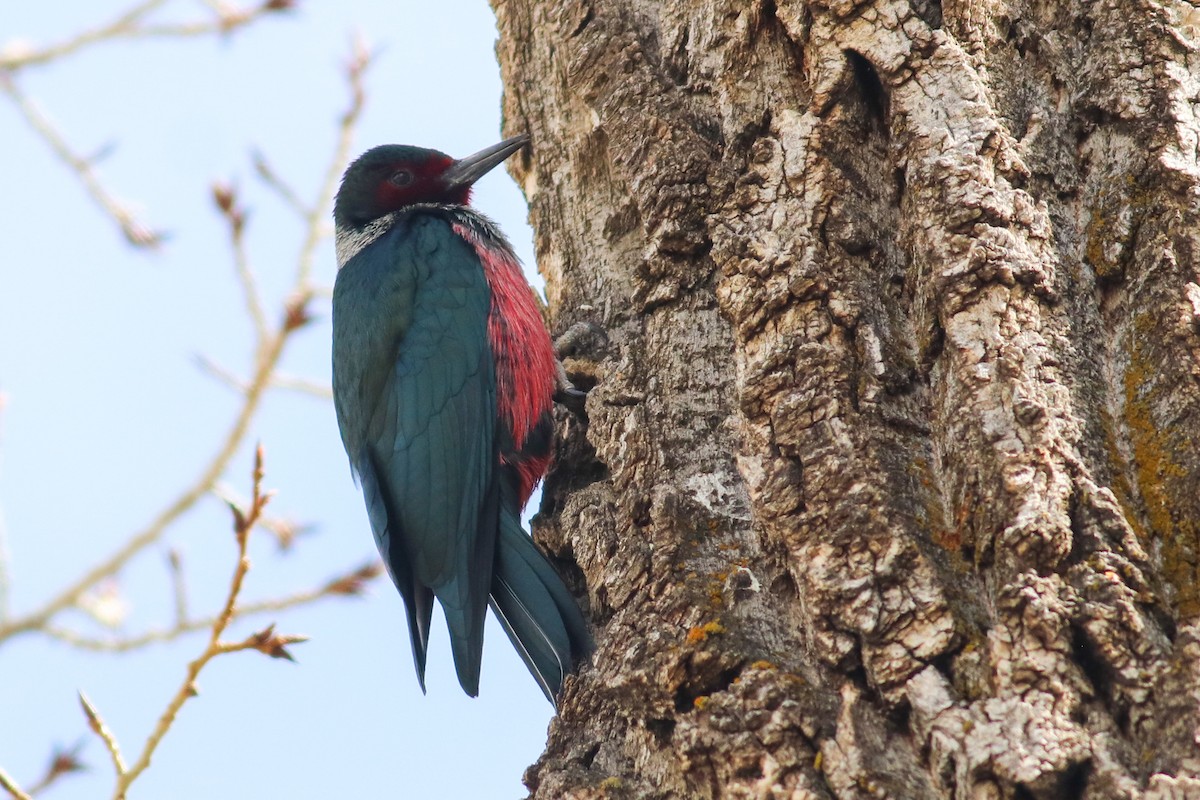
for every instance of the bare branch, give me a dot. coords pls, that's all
(127, 21)
(168, 515)
(289, 383)
(136, 233)
(62, 762)
(132, 25)
(285, 531)
(4, 557)
(178, 586)
(10, 785)
(271, 178)
(355, 582)
(220, 373)
(268, 359)
(244, 522)
(272, 338)
(303, 386)
(356, 68)
(351, 583)
(266, 642)
(5, 579)
(225, 197)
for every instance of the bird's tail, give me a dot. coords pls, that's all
(535, 608)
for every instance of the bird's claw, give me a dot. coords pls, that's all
(566, 394)
(582, 336)
(571, 398)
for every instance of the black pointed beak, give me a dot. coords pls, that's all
(466, 171)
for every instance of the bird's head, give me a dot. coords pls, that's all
(392, 176)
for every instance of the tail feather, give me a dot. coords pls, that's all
(536, 609)
(418, 599)
(420, 615)
(465, 599)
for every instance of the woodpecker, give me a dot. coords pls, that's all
(443, 382)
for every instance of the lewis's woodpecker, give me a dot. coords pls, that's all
(443, 381)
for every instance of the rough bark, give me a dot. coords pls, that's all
(889, 481)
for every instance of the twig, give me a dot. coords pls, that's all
(62, 762)
(281, 187)
(265, 641)
(129, 25)
(10, 785)
(134, 231)
(356, 68)
(225, 197)
(100, 729)
(220, 373)
(303, 386)
(349, 584)
(178, 586)
(4, 556)
(5, 579)
(289, 383)
(268, 359)
(285, 531)
(122, 23)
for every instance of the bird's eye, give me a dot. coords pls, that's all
(401, 177)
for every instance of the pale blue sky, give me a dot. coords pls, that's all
(107, 416)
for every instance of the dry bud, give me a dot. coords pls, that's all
(296, 314)
(62, 762)
(355, 582)
(272, 644)
(239, 517)
(139, 235)
(225, 196)
(285, 531)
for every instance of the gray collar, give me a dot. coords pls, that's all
(350, 241)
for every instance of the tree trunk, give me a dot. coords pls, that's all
(889, 481)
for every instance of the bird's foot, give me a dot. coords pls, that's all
(582, 337)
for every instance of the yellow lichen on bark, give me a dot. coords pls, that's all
(1160, 478)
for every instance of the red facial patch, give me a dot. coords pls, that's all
(426, 186)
